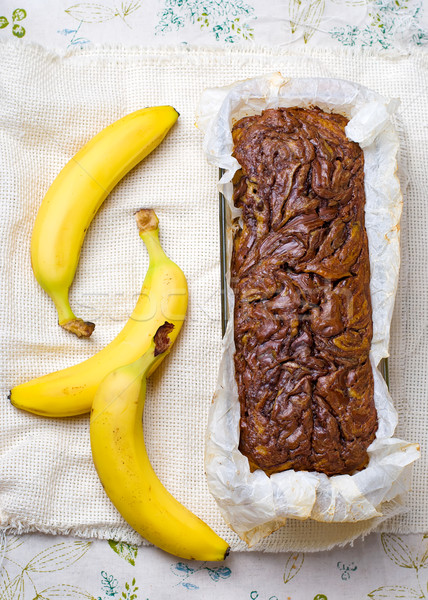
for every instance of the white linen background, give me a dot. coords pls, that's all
(48, 481)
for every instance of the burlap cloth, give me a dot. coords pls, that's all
(49, 107)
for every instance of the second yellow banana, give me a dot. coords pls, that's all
(163, 297)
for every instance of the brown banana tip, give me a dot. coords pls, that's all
(79, 327)
(161, 338)
(146, 220)
(11, 400)
(226, 554)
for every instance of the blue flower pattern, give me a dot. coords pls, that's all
(184, 571)
(390, 21)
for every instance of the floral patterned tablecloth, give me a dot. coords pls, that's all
(45, 567)
(378, 24)
(383, 566)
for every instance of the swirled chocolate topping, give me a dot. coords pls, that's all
(300, 273)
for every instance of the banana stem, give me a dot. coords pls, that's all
(63, 307)
(141, 366)
(146, 220)
(148, 227)
(154, 248)
(67, 319)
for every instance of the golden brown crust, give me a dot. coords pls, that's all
(300, 273)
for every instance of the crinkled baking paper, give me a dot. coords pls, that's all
(254, 504)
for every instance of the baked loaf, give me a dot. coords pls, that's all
(300, 274)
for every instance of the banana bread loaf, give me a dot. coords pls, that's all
(300, 274)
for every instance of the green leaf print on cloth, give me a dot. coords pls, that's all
(91, 12)
(63, 592)
(19, 582)
(17, 29)
(305, 15)
(293, 565)
(130, 591)
(110, 588)
(390, 21)
(398, 551)
(124, 550)
(227, 21)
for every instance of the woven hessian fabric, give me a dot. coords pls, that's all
(49, 107)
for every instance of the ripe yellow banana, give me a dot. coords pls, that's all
(76, 195)
(121, 460)
(163, 297)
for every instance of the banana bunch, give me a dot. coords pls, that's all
(70, 391)
(112, 383)
(112, 386)
(122, 464)
(77, 193)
